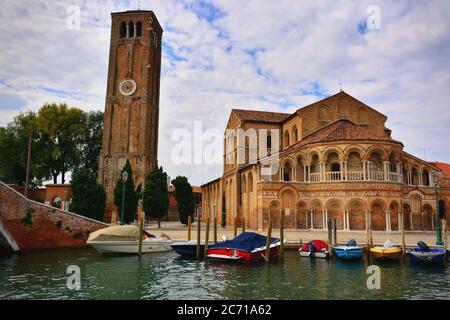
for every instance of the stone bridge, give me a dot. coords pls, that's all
(27, 224)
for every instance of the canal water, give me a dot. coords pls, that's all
(42, 275)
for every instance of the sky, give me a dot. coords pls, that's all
(254, 54)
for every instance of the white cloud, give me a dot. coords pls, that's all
(222, 54)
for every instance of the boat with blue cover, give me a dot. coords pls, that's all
(349, 252)
(247, 247)
(426, 255)
(188, 248)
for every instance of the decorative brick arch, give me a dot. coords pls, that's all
(355, 148)
(316, 207)
(378, 214)
(394, 210)
(311, 153)
(329, 150)
(302, 216)
(377, 148)
(357, 208)
(335, 210)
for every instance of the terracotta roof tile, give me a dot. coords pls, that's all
(444, 167)
(340, 130)
(260, 116)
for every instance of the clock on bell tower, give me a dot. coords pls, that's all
(130, 128)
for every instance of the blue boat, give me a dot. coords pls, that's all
(349, 252)
(188, 248)
(425, 255)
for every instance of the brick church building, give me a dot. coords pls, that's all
(336, 159)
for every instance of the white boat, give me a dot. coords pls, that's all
(125, 239)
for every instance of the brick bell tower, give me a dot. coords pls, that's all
(130, 128)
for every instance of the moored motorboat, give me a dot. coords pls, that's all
(386, 252)
(247, 247)
(349, 252)
(315, 249)
(188, 248)
(125, 239)
(426, 255)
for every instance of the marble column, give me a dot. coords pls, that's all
(346, 170)
(342, 171)
(312, 219)
(387, 176)
(304, 174)
(364, 162)
(388, 221)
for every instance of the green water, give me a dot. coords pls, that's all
(42, 275)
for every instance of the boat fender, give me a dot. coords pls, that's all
(351, 243)
(423, 246)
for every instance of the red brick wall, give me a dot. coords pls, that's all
(49, 227)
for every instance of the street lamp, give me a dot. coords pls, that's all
(122, 213)
(438, 220)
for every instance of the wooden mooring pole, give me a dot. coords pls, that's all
(370, 229)
(141, 227)
(330, 235)
(334, 232)
(282, 234)
(403, 233)
(189, 228)
(215, 224)
(444, 233)
(206, 237)
(268, 241)
(243, 225)
(199, 227)
(235, 227)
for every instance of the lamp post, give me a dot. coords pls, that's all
(438, 220)
(122, 212)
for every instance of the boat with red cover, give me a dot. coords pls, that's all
(247, 247)
(314, 249)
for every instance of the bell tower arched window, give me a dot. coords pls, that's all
(131, 30)
(123, 30)
(139, 29)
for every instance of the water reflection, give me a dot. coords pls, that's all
(42, 275)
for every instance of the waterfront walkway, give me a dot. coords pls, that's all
(177, 231)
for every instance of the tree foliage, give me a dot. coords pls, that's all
(185, 198)
(131, 196)
(63, 127)
(88, 197)
(156, 199)
(63, 139)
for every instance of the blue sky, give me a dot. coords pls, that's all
(255, 54)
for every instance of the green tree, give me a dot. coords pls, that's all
(63, 127)
(88, 197)
(14, 151)
(91, 141)
(185, 198)
(156, 199)
(131, 198)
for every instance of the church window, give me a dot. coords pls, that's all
(286, 139)
(131, 30)
(269, 142)
(123, 30)
(295, 134)
(139, 29)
